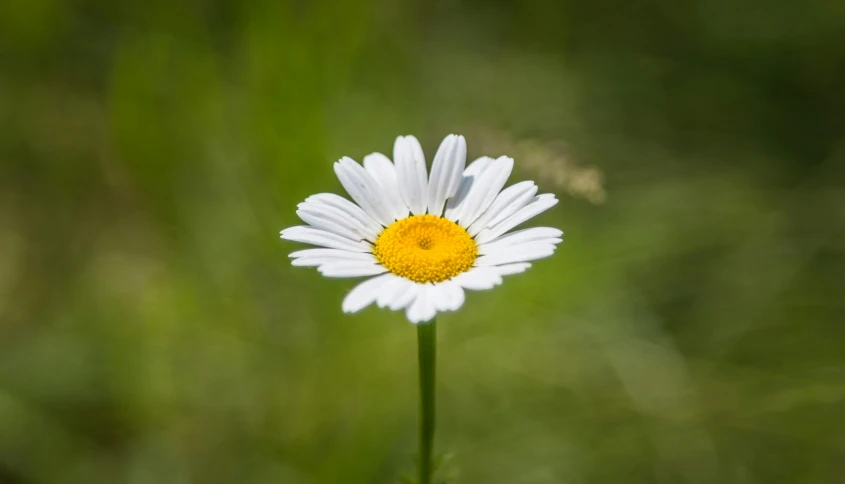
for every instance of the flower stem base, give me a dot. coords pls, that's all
(427, 350)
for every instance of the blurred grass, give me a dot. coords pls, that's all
(688, 330)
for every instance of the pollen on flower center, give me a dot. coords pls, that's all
(425, 248)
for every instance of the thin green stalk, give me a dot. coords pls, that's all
(427, 348)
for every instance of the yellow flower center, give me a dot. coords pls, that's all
(425, 248)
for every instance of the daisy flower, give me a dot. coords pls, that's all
(422, 239)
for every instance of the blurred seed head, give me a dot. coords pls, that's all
(551, 163)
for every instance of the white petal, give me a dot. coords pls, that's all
(458, 297)
(367, 228)
(506, 204)
(318, 257)
(364, 190)
(509, 269)
(405, 298)
(309, 262)
(398, 294)
(517, 204)
(411, 173)
(421, 309)
(482, 194)
(351, 269)
(496, 250)
(332, 254)
(325, 220)
(365, 293)
(524, 235)
(517, 253)
(390, 291)
(447, 296)
(310, 235)
(469, 178)
(478, 278)
(446, 172)
(383, 171)
(534, 234)
(538, 205)
(348, 208)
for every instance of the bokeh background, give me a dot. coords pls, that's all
(688, 330)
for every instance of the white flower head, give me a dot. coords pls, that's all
(422, 240)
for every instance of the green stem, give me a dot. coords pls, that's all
(427, 348)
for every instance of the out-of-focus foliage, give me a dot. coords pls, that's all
(689, 329)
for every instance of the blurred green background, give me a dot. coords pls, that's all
(688, 330)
